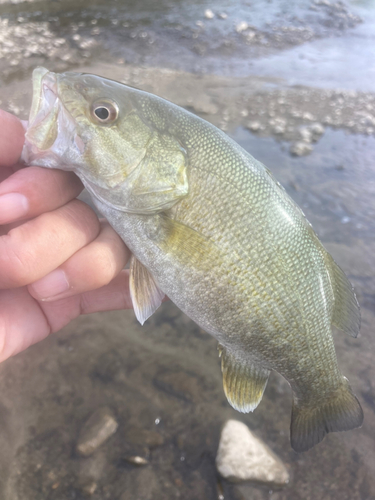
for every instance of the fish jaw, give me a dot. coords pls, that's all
(51, 138)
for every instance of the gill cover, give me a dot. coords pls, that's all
(156, 183)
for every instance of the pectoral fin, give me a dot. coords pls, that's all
(190, 247)
(346, 314)
(244, 383)
(146, 295)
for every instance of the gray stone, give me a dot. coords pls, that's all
(242, 456)
(98, 428)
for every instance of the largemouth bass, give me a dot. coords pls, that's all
(210, 227)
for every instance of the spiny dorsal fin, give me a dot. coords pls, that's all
(346, 315)
(146, 295)
(340, 412)
(244, 383)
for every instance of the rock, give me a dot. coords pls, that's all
(143, 437)
(254, 126)
(98, 428)
(136, 460)
(223, 15)
(306, 134)
(317, 129)
(242, 26)
(300, 148)
(89, 488)
(242, 456)
(208, 14)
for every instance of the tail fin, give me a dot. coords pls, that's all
(310, 424)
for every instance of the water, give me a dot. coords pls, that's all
(292, 66)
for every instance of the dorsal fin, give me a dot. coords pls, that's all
(244, 383)
(346, 314)
(146, 295)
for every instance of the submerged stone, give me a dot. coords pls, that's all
(242, 456)
(98, 428)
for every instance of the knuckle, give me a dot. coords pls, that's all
(15, 264)
(83, 217)
(107, 268)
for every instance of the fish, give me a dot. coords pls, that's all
(211, 228)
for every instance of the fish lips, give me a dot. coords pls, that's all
(51, 128)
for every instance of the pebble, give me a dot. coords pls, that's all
(306, 134)
(136, 460)
(317, 129)
(300, 148)
(223, 15)
(89, 488)
(97, 429)
(254, 126)
(208, 14)
(244, 457)
(242, 26)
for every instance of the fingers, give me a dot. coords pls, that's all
(22, 322)
(92, 267)
(12, 138)
(114, 296)
(25, 321)
(37, 247)
(34, 190)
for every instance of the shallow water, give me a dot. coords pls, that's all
(163, 381)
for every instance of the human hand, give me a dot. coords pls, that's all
(57, 259)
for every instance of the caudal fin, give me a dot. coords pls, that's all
(310, 424)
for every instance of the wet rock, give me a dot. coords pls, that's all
(89, 488)
(254, 126)
(136, 460)
(317, 130)
(98, 428)
(301, 148)
(244, 457)
(208, 14)
(181, 385)
(306, 134)
(142, 484)
(223, 15)
(144, 437)
(242, 26)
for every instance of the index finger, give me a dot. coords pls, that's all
(12, 137)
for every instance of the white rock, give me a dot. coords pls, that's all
(223, 15)
(242, 26)
(244, 457)
(208, 14)
(306, 134)
(301, 148)
(254, 126)
(317, 129)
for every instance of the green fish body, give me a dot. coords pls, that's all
(210, 227)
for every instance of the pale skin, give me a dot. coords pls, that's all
(57, 259)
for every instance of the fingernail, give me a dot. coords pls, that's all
(51, 285)
(12, 206)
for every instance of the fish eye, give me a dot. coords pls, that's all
(104, 111)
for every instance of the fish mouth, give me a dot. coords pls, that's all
(42, 128)
(44, 94)
(50, 126)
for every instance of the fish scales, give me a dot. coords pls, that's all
(209, 226)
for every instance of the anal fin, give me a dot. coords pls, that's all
(244, 383)
(146, 295)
